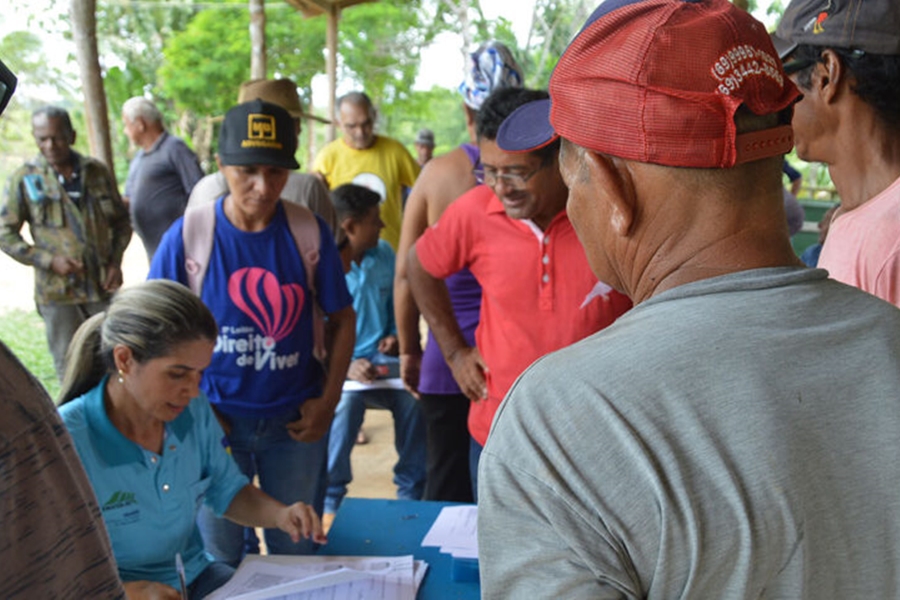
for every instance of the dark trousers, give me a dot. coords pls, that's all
(447, 435)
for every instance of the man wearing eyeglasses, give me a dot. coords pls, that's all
(374, 161)
(513, 234)
(844, 56)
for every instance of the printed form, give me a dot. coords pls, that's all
(324, 578)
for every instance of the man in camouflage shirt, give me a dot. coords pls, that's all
(79, 225)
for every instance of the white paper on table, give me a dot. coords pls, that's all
(420, 567)
(392, 383)
(321, 578)
(455, 527)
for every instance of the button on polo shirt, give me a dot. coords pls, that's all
(149, 501)
(538, 292)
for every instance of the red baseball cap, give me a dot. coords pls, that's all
(659, 81)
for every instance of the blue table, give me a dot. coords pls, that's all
(366, 527)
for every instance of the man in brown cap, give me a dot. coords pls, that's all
(844, 55)
(301, 188)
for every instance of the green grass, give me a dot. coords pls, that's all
(23, 332)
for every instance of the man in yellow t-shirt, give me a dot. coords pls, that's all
(377, 162)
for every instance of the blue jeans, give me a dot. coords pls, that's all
(409, 440)
(288, 471)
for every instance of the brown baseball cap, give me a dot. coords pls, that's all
(869, 25)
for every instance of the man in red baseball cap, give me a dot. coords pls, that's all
(734, 435)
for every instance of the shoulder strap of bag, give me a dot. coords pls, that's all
(197, 237)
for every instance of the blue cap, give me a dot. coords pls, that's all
(527, 128)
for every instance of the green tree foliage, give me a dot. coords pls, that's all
(131, 37)
(24, 52)
(438, 109)
(380, 48)
(135, 33)
(555, 23)
(205, 63)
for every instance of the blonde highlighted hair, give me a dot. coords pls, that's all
(150, 318)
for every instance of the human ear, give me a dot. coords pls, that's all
(828, 76)
(123, 358)
(348, 224)
(614, 181)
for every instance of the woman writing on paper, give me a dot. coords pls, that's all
(151, 445)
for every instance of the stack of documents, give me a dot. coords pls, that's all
(324, 577)
(455, 531)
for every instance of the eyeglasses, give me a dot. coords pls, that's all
(490, 177)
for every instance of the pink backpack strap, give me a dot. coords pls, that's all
(197, 237)
(305, 231)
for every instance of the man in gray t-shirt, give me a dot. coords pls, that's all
(161, 175)
(735, 435)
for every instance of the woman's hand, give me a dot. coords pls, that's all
(150, 590)
(299, 520)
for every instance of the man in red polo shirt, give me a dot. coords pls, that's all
(538, 292)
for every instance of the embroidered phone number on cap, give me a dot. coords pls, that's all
(741, 62)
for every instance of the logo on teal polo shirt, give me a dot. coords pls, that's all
(120, 499)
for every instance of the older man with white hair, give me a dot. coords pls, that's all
(161, 175)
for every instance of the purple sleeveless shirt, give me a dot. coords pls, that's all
(465, 297)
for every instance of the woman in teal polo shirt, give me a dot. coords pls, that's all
(151, 445)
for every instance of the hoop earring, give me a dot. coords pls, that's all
(121, 377)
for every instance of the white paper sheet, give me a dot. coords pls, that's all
(455, 531)
(323, 578)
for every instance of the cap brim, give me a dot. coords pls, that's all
(783, 46)
(527, 129)
(228, 160)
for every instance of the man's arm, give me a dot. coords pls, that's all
(433, 299)
(13, 215)
(188, 167)
(406, 313)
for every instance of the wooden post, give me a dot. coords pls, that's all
(257, 39)
(84, 32)
(331, 41)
